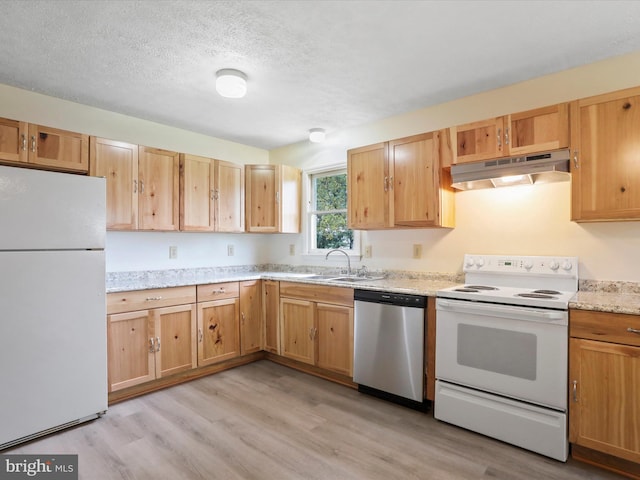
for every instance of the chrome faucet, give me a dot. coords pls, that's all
(346, 254)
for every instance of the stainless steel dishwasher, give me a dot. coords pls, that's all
(388, 353)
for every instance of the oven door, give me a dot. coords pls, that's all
(518, 352)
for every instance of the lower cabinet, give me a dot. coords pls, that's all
(604, 389)
(218, 331)
(145, 344)
(316, 325)
(250, 317)
(271, 315)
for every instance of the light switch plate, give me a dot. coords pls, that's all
(292, 249)
(230, 250)
(417, 250)
(173, 252)
(367, 251)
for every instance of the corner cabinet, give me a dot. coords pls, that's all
(273, 198)
(604, 386)
(211, 195)
(40, 146)
(522, 133)
(605, 134)
(400, 183)
(250, 316)
(271, 315)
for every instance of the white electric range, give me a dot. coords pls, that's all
(502, 350)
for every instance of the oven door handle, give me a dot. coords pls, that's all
(517, 313)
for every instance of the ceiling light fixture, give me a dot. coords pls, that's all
(231, 83)
(317, 135)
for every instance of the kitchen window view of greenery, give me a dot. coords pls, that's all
(327, 214)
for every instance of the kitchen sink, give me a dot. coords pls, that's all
(343, 278)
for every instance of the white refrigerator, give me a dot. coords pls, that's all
(53, 352)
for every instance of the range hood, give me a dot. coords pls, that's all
(539, 168)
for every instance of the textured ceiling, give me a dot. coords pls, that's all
(329, 64)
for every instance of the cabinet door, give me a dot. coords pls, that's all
(229, 197)
(335, 338)
(271, 312)
(250, 317)
(118, 163)
(605, 133)
(603, 406)
(196, 193)
(58, 149)
(368, 178)
(482, 140)
(538, 130)
(131, 347)
(175, 339)
(289, 199)
(297, 326)
(218, 331)
(158, 176)
(13, 141)
(415, 180)
(261, 186)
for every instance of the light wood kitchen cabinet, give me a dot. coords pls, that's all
(605, 134)
(604, 386)
(522, 133)
(316, 325)
(273, 198)
(271, 315)
(400, 183)
(117, 162)
(218, 322)
(158, 189)
(46, 147)
(211, 195)
(154, 342)
(250, 316)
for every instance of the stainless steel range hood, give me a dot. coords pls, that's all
(539, 168)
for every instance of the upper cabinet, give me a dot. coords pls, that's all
(46, 147)
(605, 144)
(118, 163)
(273, 198)
(142, 185)
(516, 134)
(211, 195)
(401, 183)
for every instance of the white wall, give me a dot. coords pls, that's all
(516, 220)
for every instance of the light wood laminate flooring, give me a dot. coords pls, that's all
(267, 421)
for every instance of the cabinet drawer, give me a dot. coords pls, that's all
(606, 327)
(318, 293)
(218, 291)
(152, 298)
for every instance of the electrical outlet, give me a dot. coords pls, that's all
(230, 250)
(417, 250)
(292, 249)
(173, 252)
(367, 251)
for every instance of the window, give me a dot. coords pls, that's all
(327, 213)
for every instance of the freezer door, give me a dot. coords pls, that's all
(53, 352)
(42, 210)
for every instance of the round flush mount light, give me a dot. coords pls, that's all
(231, 83)
(317, 135)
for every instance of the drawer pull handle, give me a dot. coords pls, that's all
(200, 335)
(158, 344)
(23, 137)
(633, 330)
(151, 346)
(220, 291)
(575, 390)
(151, 299)
(243, 318)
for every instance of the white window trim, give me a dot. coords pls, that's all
(355, 253)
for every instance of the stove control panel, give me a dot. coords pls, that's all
(525, 265)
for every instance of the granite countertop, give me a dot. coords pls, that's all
(398, 282)
(612, 297)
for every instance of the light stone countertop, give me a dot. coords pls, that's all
(600, 301)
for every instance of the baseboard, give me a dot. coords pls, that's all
(606, 461)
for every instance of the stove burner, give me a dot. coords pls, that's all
(465, 289)
(547, 292)
(480, 287)
(534, 295)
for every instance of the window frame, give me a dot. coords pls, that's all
(308, 224)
